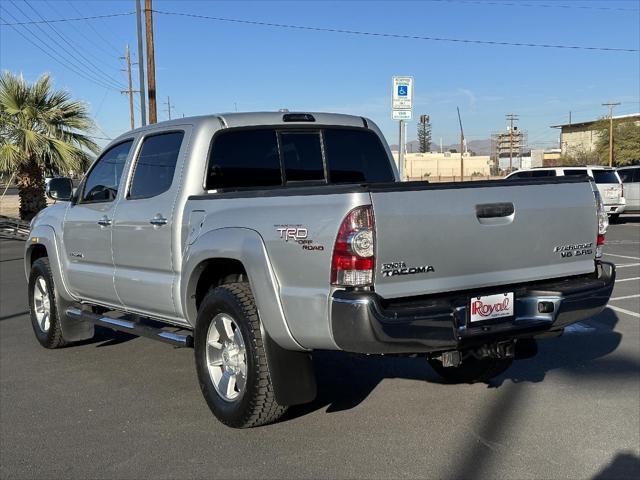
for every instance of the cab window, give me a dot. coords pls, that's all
(153, 173)
(102, 182)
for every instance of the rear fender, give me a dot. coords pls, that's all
(246, 246)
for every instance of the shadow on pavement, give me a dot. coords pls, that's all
(14, 315)
(625, 465)
(344, 380)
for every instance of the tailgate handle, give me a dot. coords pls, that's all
(494, 210)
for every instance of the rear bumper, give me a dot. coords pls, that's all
(615, 209)
(363, 322)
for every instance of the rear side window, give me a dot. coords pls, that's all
(605, 176)
(542, 173)
(355, 156)
(568, 173)
(519, 175)
(101, 185)
(302, 156)
(630, 175)
(156, 165)
(244, 158)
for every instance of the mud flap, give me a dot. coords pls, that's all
(292, 374)
(72, 330)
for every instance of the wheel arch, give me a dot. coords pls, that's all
(229, 254)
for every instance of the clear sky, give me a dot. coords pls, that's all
(208, 66)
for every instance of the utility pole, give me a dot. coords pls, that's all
(168, 109)
(143, 101)
(611, 105)
(461, 147)
(151, 61)
(511, 117)
(130, 90)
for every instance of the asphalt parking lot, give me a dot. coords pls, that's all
(124, 407)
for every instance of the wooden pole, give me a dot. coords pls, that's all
(143, 100)
(610, 105)
(131, 114)
(151, 62)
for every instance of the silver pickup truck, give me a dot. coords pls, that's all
(258, 238)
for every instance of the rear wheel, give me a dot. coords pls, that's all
(231, 360)
(614, 218)
(472, 370)
(42, 305)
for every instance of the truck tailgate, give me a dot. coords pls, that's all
(445, 237)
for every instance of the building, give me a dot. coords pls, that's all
(433, 165)
(583, 136)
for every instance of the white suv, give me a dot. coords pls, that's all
(607, 180)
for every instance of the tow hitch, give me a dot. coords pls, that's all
(454, 358)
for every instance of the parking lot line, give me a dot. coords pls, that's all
(624, 310)
(624, 265)
(625, 297)
(627, 279)
(622, 256)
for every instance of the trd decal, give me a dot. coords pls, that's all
(298, 234)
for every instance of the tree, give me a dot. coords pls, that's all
(424, 134)
(626, 141)
(41, 129)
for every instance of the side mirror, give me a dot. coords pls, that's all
(60, 189)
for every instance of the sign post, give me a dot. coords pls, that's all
(401, 109)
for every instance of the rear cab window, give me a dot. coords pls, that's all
(605, 176)
(275, 156)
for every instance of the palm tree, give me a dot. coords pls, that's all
(41, 130)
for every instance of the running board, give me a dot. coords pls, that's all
(134, 328)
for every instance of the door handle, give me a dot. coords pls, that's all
(104, 221)
(158, 221)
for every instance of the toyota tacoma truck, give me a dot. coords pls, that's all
(258, 238)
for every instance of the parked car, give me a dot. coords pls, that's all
(630, 177)
(259, 238)
(606, 178)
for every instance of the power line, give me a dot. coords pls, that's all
(115, 49)
(63, 62)
(539, 5)
(108, 77)
(76, 19)
(394, 35)
(85, 37)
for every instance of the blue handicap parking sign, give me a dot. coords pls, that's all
(403, 90)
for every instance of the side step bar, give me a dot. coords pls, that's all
(134, 328)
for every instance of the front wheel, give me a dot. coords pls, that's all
(42, 305)
(231, 360)
(472, 370)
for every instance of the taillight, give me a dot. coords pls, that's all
(603, 223)
(622, 190)
(353, 258)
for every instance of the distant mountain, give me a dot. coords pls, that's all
(480, 147)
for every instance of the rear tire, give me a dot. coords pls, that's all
(231, 361)
(472, 370)
(43, 307)
(614, 218)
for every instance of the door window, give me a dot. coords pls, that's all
(156, 165)
(102, 182)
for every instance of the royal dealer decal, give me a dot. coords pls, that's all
(298, 234)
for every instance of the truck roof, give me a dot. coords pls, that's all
(228, 120)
